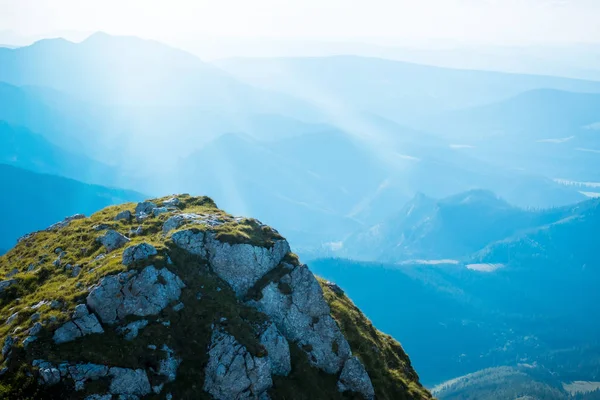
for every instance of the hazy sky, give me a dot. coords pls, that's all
(467, 21)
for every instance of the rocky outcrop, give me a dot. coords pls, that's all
(113, 240)
(278, 350)
(240, 265)
(123, 215)
(82, 324)
(138, 253)
(303, 316)
(354, 378)
(123, 381)
(232, 372)
(145, 207)
(132, 293)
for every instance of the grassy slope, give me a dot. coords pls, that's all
(190, 329)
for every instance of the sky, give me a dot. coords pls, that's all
(499, 22)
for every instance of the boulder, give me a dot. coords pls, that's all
(113, 240)
(132, 293)
(137, 253)
(172, 202)
(82, 324)
(159, 210)
(232, 372)
(354, 378)
(145, 207)
(123, 215)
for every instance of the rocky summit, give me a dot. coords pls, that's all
(173, 298)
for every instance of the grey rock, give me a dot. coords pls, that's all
(178, 307)
(152, 347)
(191, 240)
(334, 288)
(242, 265)
(82, 324)
(172, 202)
(159, 210)
(101, 227)
(28, 340)
(55, 304)
(65, 222)
(81, 310)
(232, 372)
(126, 215)
(145, 207)
(168, 365)
(12, 318)
(131, 330)
(30, 267)
(82, 373)
(35, 329)
(129, 382)
(278, 350)
(354, 378)
(113, 240)
(137, 253)
(49, 374)
(7, 283)
(100, 257)
(131, 293)
(8, 344)
(304, 317)
(39, 304)
(76, 271)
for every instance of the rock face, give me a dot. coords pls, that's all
(132, 293)
(304, 317)
(232, 372)
(354, 378)
(145, 207)
(240, 265)
(278, 350)
(82, 324)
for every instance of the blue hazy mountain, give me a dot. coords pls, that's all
(392, 89)
(543, 131)
(25, 149)
(458, 226)
(530, 309)
(30, 201)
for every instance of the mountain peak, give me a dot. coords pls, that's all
(162, 292)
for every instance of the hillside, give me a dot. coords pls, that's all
(32, 201)
(474, 226)
(174, 298)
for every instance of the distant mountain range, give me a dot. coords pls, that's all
(397, 90)
(474, 226)
(31, 201)
(502, 286)
(338, 158)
